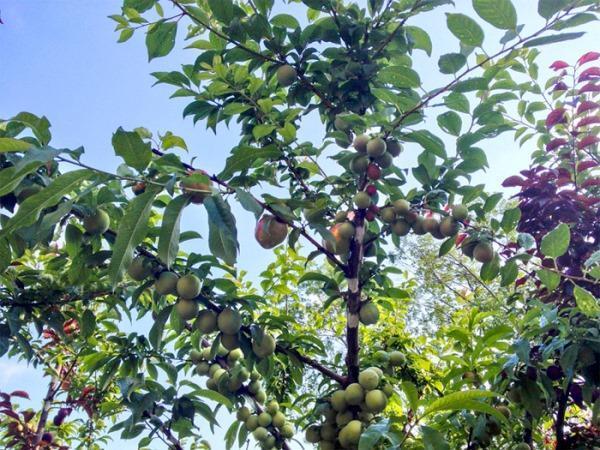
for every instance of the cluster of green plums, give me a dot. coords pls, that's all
(269, 426)
(347, 412)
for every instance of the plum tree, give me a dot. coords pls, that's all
(360, 174)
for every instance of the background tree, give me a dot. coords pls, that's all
(321, 343)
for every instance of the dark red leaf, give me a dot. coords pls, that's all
(587, 105)
(10, 413)
(559, 64)
(591, 182)
(590, 87)
(521, 281)
(556, 116)
(561, 86)
(555, 143)
(589, 74)
(587, 141)
(22, 394)
(587, 57)
(588, 121)
(513, 181)
(584, 165)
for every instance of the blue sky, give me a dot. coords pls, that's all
(60, 58)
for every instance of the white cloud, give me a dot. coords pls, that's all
(10, 370)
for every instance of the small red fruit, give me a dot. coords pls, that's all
(371, 190)
(197, 190)
(373, 171)
(270, 232)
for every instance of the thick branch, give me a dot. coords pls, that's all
(46, 405)
(162, 427)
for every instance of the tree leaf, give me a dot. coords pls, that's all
(412, 395)
(12, 176)
(399, 77)
(129, 146)
(465, 29)
(428, 141)
(508, 273)
(30, 209)
(248, 202)
(549, 278)
(420, 38)
(222, 10)
(471, 84)
(499, 13)
(222, 232)
(553, 38)
(40, 126)
(556, 243)
(132, 230)
(547, 8)
(433, 439)
(465, 400)
(450, 122)
(244, 157)
(168, 238)
(586, 302)
(214, 396)
(457, 102)
(510, 219)
(8, 145)
(158, 327)
(160, 39)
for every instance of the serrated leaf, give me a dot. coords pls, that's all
(168, 238)
(464, 400)
(130, 146)
(465, 29)
(222, 231)
(132, 230)
(556, 242)
(499, 13)
(420, 38)
(40, 126)
(457, 102)
(160, 39)
(428, 141)
(30, 209)
(450, 122)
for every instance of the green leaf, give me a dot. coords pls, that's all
(377, 432)
(499, 13)
(464, 400)
(457, 102)
(451, 62)
(40, 126)
(556, 243)
(450, 122)
(510, 219)
(129, 146)
(489, 270)
(248, 202)
(12, 176)
(231, 434)
(262, 130)
(132, 230)
(465, 29)
(412, 395)
(428, 141)
(30, 209)
(446, 246)
(168, 238)
(158, 327)
(574, 21)
(586, 302)
(222, 232)
(244, 157)
(548, 278)
(508, 273)
(87, 323)
(420, 38)
(433, 439)
(553, 38)
(222, 10)
(399, 77)
(285, 21)
(214, 396)
(471, 84)
(547, 8)
(8, 145)
(160, 39)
